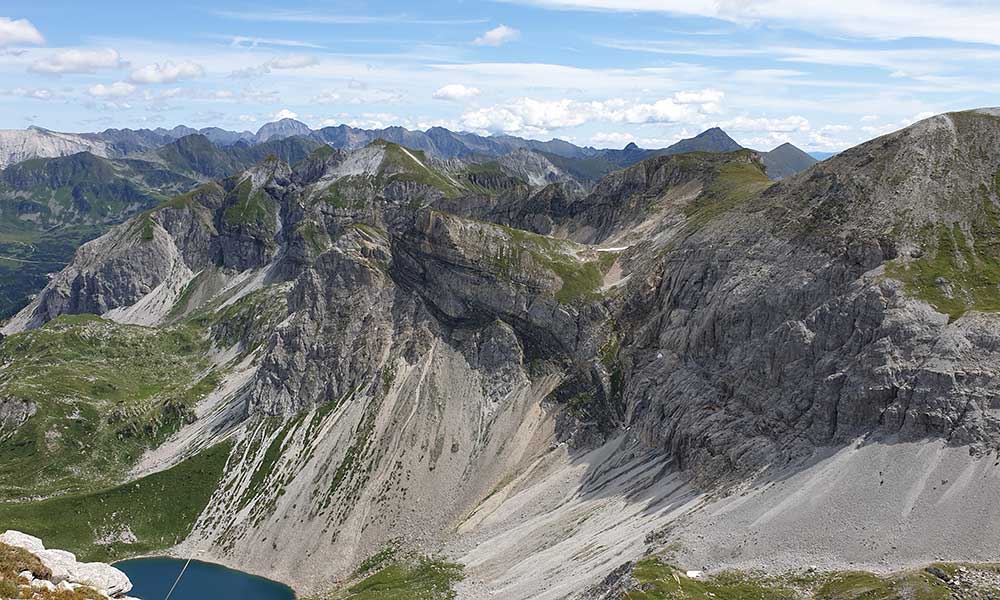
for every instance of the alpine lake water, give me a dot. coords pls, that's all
(153, 577)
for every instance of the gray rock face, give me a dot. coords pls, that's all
(19, 145)
(775, 329)
(14, 412)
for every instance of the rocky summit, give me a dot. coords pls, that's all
(498, 379)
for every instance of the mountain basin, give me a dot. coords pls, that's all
(153, 577)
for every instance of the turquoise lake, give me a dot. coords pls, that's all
(152, 578)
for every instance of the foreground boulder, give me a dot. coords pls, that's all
(59, 569)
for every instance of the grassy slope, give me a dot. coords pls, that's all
(420, 578)
(960, 266)
(250, 208)
(656, 580)
(104, 393)
(736, 182)
(159, 510)
(398, 164)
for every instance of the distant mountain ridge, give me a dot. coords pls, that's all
(436, 142)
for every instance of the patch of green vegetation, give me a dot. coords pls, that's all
(490, 167)
(314, 236)
(182, 305)
(14, 560)
(403, 164)
(581, 279)
(414, 579)
(956, 274)
(866, 586)
(147, 229)
(659, 581)
(372, 232)
(737, 181)
(9, 589)
(103, 394)
(251, 208)
(376, 560)
(188, 200)
(351, 192)
(158, 510)
(321, 153)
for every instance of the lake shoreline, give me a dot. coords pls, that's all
(152, 576)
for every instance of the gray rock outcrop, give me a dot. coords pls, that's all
(67, 571)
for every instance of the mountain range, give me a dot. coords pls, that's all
(437, 142)
(59, 190)
(377, 365)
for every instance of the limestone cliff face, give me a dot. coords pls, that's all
(18, 145)
(812, 313)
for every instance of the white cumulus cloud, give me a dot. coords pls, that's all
(17, 32)
(167, 72)
(456, 92)
(497, 36)
(79, 61)
(285, 114)
(117, 89)
(530, 116)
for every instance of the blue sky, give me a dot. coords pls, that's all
(824, 76)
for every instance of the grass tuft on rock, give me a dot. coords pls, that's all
(14, 560)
